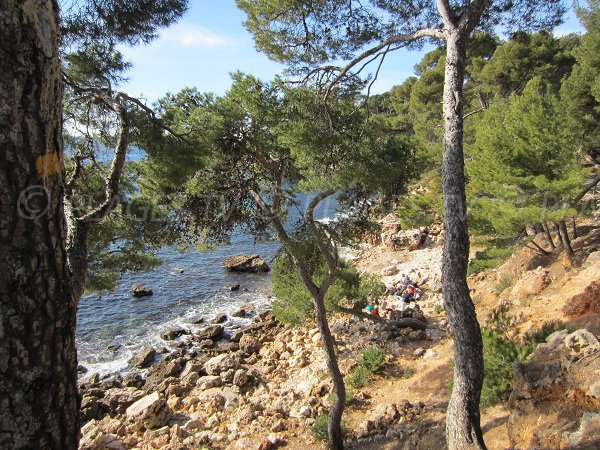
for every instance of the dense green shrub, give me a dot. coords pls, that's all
(372, 359)
(359, 377)
(319, 428)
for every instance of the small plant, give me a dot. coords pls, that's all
(359, 377)
(408, 372)
(438, 309)
(504, 283)
(499, 354)
(502, 323)
(372, 359)
(331, 398)
(319, 428)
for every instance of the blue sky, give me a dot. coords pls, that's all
(210, 42)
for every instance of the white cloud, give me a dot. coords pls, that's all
(196, 36)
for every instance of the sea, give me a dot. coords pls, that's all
(113, 326)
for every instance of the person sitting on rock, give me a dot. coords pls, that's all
(409, 293)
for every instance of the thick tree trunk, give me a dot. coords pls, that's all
(463, 429)
(334, 427)
(39, 402)
(566, 242)
(549, 235)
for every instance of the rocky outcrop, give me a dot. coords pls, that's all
(560, 375)
(584, 302)
(137, 290)
(243, 263)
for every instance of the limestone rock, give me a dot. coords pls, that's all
(243, 263)
(249, 344)
(118, 400)
(219, 318)
(209, 381)
(149, 412)
(210, 332)
(221, 363)
(240, 378)
(531, 283)
(244, 311)
(143, 357)
(389, 271)
(174, 333)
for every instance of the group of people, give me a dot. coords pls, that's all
(396, 298)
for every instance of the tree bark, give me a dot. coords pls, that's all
(566, 242)
(549, 235)
(39, 403)
(463, 429)
(334, 427)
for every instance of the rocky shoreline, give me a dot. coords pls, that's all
(267, 383)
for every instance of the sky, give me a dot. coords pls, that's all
(210, 42)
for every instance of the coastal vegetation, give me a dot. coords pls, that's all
(502, 134)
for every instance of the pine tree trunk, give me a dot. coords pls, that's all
(566, 242)
(549, 236)
(463, 429)
(334, 425)
(574, 225)
(39, 403)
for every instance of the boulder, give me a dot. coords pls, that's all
(133, 379)
(118, 400)
(221, 363)
(531, 283)
(249, 344)
(219, 318)
(137, 290)
(149, 412)
(197, 320)
(389, 271)
(161, 371)
(243, 263)
(240, 378)
(143, 357)
(244, 310)
(209, 381)
(174, 333)
(210, 332)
